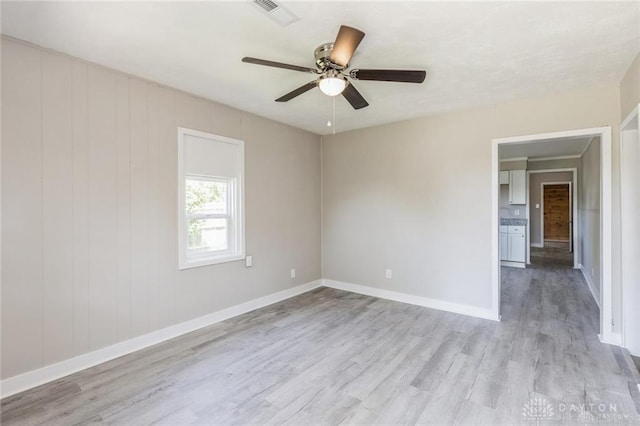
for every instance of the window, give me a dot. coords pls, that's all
(208, 214)
(211, 198)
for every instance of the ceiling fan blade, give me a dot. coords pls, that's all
(297, 92)
(402, 76)
(264, 62)
(345, 45)
(354, 97)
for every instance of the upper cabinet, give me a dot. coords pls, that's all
(517, 186)
(504, 177)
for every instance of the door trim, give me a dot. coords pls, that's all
(630, 124)
(606, 326)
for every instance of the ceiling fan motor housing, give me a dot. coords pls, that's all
(322, 54)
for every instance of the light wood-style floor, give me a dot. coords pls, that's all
(329, 357)
(554, 254)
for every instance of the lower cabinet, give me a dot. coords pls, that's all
(504, 246)
(517, 248)
(513, 244)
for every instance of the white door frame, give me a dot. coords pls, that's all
(630, 124)
(574, 204)
(606, 327)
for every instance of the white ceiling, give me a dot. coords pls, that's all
(546, 148)
(474, 53)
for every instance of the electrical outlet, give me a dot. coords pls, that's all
(389, 273)
(293, 272)
(249, 261)
(537, 206)
(516, 212)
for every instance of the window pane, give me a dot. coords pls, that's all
(207, 235)
(206, 196)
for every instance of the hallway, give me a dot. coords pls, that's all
(553, 322)
(553, 253)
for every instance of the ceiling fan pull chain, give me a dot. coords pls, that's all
(334, 115)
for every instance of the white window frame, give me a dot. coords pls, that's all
(231, 237)
(235, 204)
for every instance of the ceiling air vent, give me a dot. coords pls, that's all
(276, 12)
(267, 5)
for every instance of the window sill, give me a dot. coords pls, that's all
(206, 261)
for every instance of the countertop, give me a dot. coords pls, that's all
(513, 221)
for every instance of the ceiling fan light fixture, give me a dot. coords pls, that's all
(332, 85)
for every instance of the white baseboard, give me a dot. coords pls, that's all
(28, 380)
(31, 379)
(616, 339)
(537, 245)
(513, 264)
(591, 285)
(637, 355)
(440, 305)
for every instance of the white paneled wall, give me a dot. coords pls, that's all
(22, 216)
(89, 220)
(57, 208)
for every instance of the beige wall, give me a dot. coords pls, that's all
(89, 220)
(415, 196)
(630, 89)
(535, 197)
(589, 214)
(513, 165)
(563, 163)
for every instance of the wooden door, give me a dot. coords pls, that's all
(557, 213)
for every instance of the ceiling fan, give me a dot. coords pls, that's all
(332, 62)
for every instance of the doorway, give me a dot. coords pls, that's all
(557, 217)
(603, 226)
(557, 233)
(570, 253)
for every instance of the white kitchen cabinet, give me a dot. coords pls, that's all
(504, 177)
(517, 248)
(513, 244)
(504, 246)
(517, 186)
